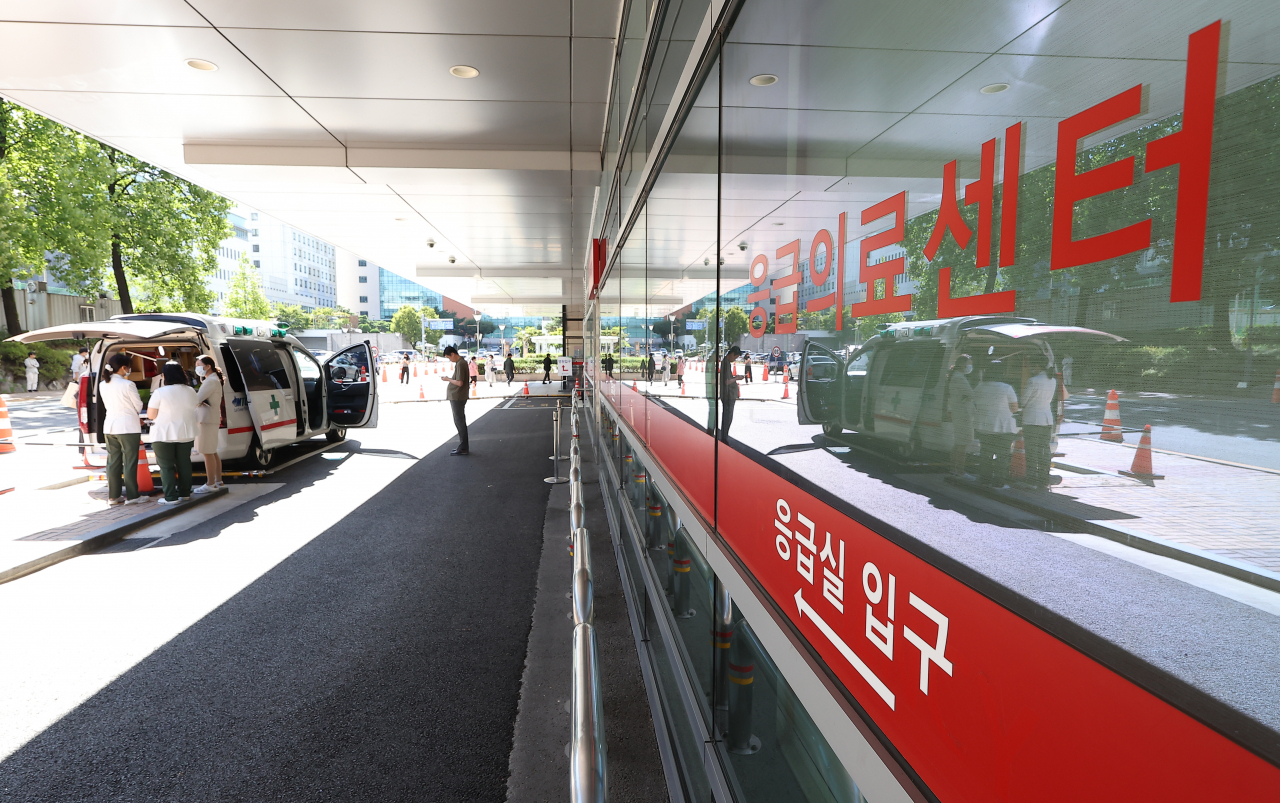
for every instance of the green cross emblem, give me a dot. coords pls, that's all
(895, 401)
(275, 405)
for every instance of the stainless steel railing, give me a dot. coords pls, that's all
(587, 757)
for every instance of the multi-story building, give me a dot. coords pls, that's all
(230, 252)
(296, 268)
(358, 285)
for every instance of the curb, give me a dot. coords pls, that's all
(104, 537)
(1203, 559)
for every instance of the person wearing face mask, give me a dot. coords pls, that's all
(960, 406)
(208, 421)
(122, 429)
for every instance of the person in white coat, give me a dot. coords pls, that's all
(172, 410)
(994, 405)
(490, 368)
(122, 429)
(208, 422)
(1037, 424)
(33, 372)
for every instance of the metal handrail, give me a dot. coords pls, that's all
(587, 756)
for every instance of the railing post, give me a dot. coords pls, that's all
(722, 638)
(555, 478)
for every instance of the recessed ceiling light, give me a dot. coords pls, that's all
(991, 89)
(401, 219)
(202, 65)
(463, 71)
(779, 222)
(764, 79)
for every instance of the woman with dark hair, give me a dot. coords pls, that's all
(172, 410)
(208, 421)
(122, 428)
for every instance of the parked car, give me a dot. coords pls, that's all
(277, 392)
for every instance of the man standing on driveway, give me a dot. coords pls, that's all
(456, 393)
(509, 365)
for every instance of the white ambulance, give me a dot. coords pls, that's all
(276, 393)
(894, 387)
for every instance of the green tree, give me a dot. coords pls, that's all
(524, 338)
(735, 325)
(329, 318)
(408, 323)
(245, 298)
(292, 316)
(164, 235)
(432, 335)
(51, 201)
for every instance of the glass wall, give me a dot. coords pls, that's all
(940, 319)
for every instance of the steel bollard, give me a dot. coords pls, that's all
(555, 478)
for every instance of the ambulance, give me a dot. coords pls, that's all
(894, 387)
(277, 393)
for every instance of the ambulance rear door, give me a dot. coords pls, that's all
(269, 390)
(909, 371)
(352, 380)
(818, 390)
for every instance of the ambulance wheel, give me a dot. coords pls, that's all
(336, 435)
(832, 429)
(258, 457)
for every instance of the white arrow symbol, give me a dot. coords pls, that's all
(849, 655)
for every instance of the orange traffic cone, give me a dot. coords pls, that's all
(1275, 393)
(6, 430)
(422, 391)
(1018, 464)
(765, 376)
(415, 370)
(786, 386)
(735, 367)
(473, 391)
(145, 486)
(1111, 419)
(525, 392)
(384, 373)
(1141, 468)
(681, 388)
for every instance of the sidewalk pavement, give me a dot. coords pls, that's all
(42, 527)
(396, 392)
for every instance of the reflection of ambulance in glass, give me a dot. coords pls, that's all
(894, 388)
(276, 393)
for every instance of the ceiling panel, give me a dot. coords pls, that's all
(105, 12)
(591, 62)
(470, 124)
(187, 118)
(506, 17)
(399, 65)
(114, 58)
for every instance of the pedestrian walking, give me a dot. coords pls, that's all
(172, 410)
(608, 365)
(680, 372)
(652, 366)
(729, 391)
(994, 405)
(490, 368)
(746, 368)
(509, 365)
(122, 429)
(404, 370)
(473, 371)
(666, 370)
(456, 393)
(546, 369)
(208, 421)
(33, 372)
(960, 408)
(1037, 424)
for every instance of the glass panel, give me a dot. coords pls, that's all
(681, 22)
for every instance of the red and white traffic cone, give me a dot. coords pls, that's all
(415, 370)
(786, 386)
(681, 388)
(422, 391)
(473, 392)
(1141, 468)
(145, 485)
(1018, 463)
(525, 392)
(6, 431)
(1275, 393)
(633, 386)
(1111, 419)
(765, 376)
(384, 373)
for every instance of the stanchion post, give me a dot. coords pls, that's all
(555, 478)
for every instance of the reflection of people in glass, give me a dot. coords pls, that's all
(728, 391)
(1068, 362)
(994, 403)
(960, 406)
(1037, 424)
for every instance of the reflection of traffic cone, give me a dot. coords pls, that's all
(525, 392)
(6, 431)
(786, 387)
(145, 486)
(1275, 393)
(422, 391)
(1141, 468)
(1018, 465)
(1111, 419)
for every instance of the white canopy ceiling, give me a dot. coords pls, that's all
(343, 119)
